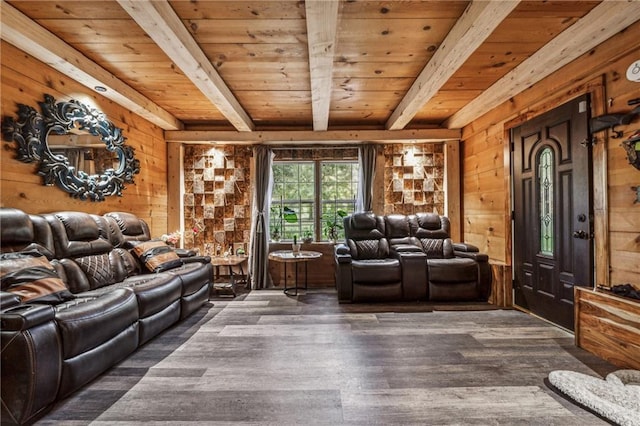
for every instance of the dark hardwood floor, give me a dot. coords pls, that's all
(265, 358)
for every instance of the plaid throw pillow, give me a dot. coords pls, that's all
(30, 276)
(157, 256)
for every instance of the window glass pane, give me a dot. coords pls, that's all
(292, 199)
(339, 182)
(295, 190)
(545, 181)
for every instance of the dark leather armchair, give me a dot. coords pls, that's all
(456, 271)
(408, 257)
(367, 269)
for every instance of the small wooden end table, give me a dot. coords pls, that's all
(288, 256)
(227, 288)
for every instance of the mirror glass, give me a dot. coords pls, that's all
(84, 152)
(76, 146)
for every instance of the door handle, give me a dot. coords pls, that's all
(582, 235)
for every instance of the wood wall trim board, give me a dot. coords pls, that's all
(452, 188)
(602, 255)
(175, 187)
(302, 137)
(502, 285)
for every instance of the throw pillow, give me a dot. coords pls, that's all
(157, 256)
(31, 276)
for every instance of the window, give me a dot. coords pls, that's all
(308, 195)
(545, 183)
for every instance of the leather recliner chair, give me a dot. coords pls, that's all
(431, 266)
(111, 305)
(456, 271)
(367, 270)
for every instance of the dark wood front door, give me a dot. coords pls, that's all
(553, 218)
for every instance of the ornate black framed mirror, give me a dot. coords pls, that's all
(76, 146)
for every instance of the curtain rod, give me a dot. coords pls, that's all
(311, 147)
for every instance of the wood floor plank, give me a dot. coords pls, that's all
(264, 358)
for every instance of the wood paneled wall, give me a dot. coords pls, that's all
(486, 161)
(25, 80)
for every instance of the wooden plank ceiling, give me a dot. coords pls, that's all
(264, 66)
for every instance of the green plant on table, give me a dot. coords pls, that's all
(279, 216)
(333, 224)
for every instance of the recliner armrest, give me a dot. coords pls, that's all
(23, 317)
(344, 283)
(8, 300)
(343, 253)
(478, 257)
(465, 247)
(181, 252)
(196, 259)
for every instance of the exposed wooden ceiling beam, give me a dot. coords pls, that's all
(322, 24)
(20, 31)
(161, 23)
(283, 137)
(477, 23)
(603, 22)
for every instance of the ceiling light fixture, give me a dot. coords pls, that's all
(100, 89)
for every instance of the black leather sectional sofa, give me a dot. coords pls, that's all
(399, 257)
(80, 292)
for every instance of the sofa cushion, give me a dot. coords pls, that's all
(363, 221)
(18, 233)
(376, 271)
(454, 270)
(31, 276)
(132, 227)
(437, 248)
(369, 249)
(89, 321)
(76, 234)
(430, 225)
(157, 256)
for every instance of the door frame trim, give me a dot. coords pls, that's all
(596, 89)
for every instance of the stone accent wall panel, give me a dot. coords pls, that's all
(414, 176)
(216, 197)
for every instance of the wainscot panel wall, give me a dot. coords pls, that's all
(25, 80)
(486, 159)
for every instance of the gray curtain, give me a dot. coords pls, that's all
(367, 163)
(259, 244)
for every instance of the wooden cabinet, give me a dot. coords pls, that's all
(608, 326)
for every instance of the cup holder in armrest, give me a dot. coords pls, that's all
(25, 316)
